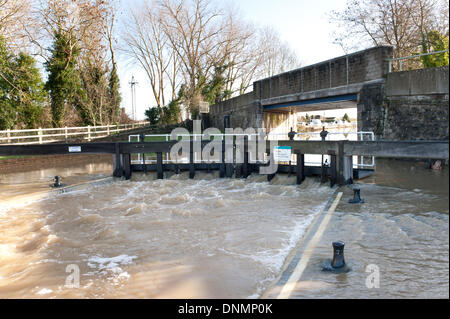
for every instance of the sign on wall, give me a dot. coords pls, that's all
(282, 153)
(73, 149)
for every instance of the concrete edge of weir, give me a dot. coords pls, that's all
(291, 268)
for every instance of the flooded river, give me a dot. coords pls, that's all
(221, 238)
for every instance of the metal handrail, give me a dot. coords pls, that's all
(411, 57)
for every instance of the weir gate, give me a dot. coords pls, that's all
(240, 156)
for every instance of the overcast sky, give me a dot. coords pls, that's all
(304, 24)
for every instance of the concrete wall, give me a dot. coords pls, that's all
(411, 105)
(359, 67)
(418, 82)
(417, 105)
(244, 112)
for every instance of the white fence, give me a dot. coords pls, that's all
(49, 135)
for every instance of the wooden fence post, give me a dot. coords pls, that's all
(127, 165)
(300, 168)
(118, 161)
(40, 135)
(245, 170)
(191, 161)
(89, 133)
(8, 135)
(222, 164)
(159, 165)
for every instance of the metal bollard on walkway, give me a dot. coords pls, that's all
(337, 264)
(356, 197)
(57, 182)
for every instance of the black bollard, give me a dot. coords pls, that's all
(338, 255)
(57, 182)
(291, 134)
(356, 197)
(337, 264)
(323, 135)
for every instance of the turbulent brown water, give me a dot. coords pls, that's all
(402, 228)
(223, 238)
(148, 238)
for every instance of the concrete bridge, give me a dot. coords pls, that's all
(401, 106)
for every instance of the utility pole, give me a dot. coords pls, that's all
(133, 97)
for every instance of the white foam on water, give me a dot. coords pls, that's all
(110, 263)
(110, 266)
(275, 260)
(44, 291)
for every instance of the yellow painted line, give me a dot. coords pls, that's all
(301, 266)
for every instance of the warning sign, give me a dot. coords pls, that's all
(282, 153)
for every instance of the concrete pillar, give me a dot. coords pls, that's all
(371, 109)
(344, 166)
(348, 170)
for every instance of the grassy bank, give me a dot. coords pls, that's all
(13, 157)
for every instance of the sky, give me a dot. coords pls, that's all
(303, 24)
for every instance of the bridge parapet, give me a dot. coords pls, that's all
(358, 67)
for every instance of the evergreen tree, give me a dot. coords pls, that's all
(92, 101)
(345, 118)
(114, 95)
(214, 91)
(29, 100)
(22, 91)
(433, 41)
(153, 115)
(307, 118)
(7, 112)
(63, 78)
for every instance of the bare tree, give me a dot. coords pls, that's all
(277, 56)
(400, 23)
(203, 48)
(194, 32)
(236, 52)
(147, 42)
(14, 14)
